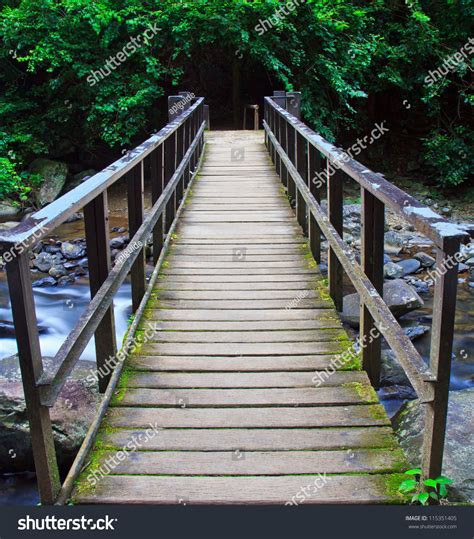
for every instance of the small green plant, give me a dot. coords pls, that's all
(423, 490)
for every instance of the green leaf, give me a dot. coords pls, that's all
(442, 480)
(430, 483)
(423, 497)
(433, 495)
(414, 471)
(408, 485)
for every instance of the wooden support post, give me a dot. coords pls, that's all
(156, 190)
(314, 168)
(293, 104)
(284, 145)
(135, 187)
(444, 309)
(291, 139)
(179, 158)
(335, 199)
(170, 167)
(277, 133)
(96, 222)
(372, 246)
(302, 168)
(31, 366)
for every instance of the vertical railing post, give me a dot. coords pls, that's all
(444, 310)
(284, 145)
(156, 190)
(291, 152)
(302, 168)
(135, 188)
(314, 172)
(170, 167)
(335, 198)
(31, 366)
(179, 158)
(277, 136)
(372, 247)
(96, 223)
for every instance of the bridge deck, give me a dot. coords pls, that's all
(245, 322)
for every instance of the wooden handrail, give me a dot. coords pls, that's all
(299, 154)
(169, 159)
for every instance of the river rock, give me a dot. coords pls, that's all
(45, 261)
(462, 267)
(8, 209)
(415, 332)
(470, 261)
(45, 281)
(119, 242)
(399, 296)
(422, 287)
(71, 415)
(391, 270)
(79, 178)
(425, 259)
(467, 251)
(411, 265)
(54, 174)
(8, 225)
(391, 372)
(71, 251)
(394, 242)
(459, 449)
(58, 271)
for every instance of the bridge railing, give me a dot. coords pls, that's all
(169, 160)
(302, 158)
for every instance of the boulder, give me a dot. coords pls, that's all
(400, 297)
(392, 271)
(391, 372)
(394, 242)
(425, 259)
(8, 209)
(54, 174)
(414, 332)
(8, 225)
(411, 265)
(45, 261)
(459, 449)
(71, 415)
(71, 251)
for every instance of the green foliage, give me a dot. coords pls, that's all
(437, 488)
(450, 155)
(340, 54)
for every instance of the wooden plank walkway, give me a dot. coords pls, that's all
(244, 323)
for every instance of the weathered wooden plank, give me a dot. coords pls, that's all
(179, 259)
(240, 262)
(255, 462)
(321, 335)
(360, 415)
(363, 489)
(239, 278)
(262, 439)
(223, 364)
(222, 304)
(294, 286)
(231, 315)
(239, 326)
(241, 379)
(242, 349)
(239, 271)
(215, 398)
(237, 294)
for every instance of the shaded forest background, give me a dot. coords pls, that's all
(356, 63)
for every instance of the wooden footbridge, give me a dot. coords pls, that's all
(236, 383)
